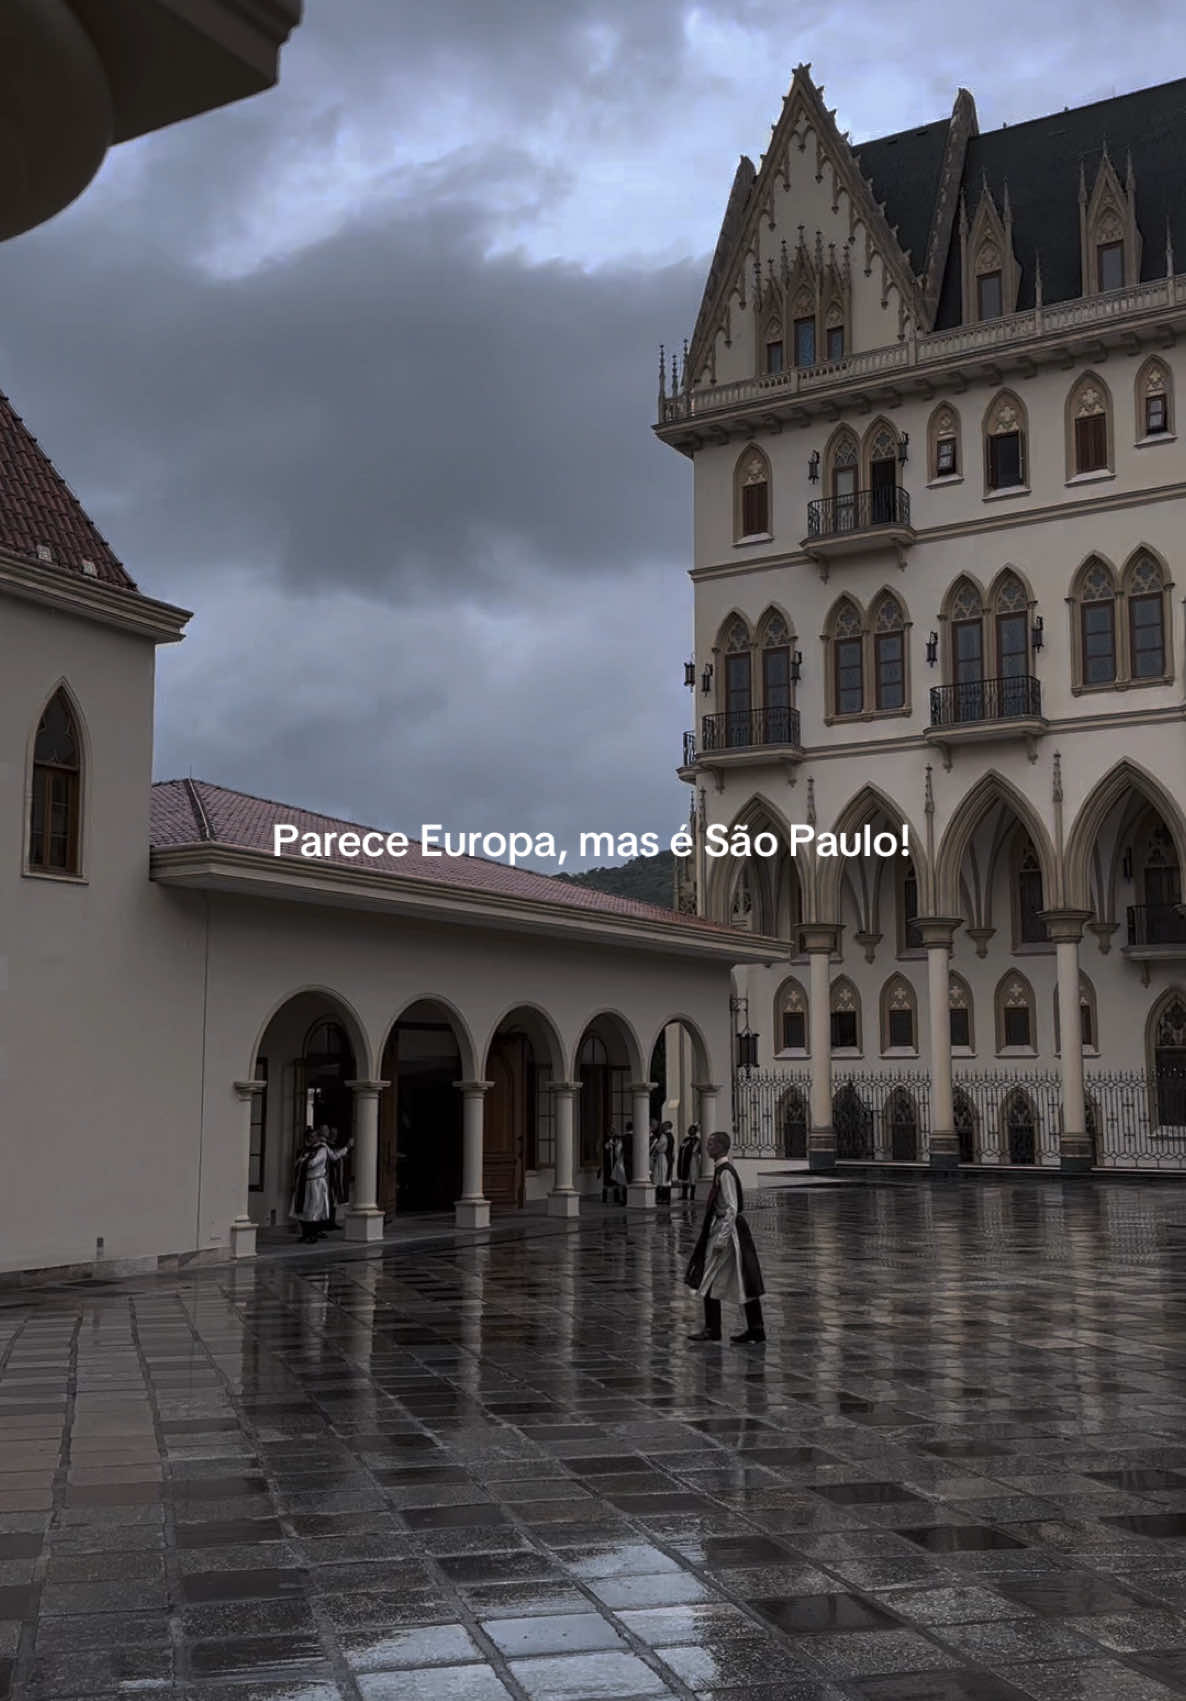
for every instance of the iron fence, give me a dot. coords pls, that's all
(858, 511)
(748, 729)
(1012, 697)
(1008, 1118)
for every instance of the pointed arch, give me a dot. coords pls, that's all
(1118, 784)
(899, 1017)
(844, 1003)
(965, 599)
(1019, 1127)
(845, 685)
(1093, 605)
(1146, 585)
(900, 1120)
(889, 659)
(1090, 427)
(991, 790)
(945, 455)
(778, 669)
(752, 494)
(777, 886)
(1110, 238)
(880, 443)
(55, 787)
(990, 273)
(792, 1027)
(1016, 1014)
(1165, 1051)
(869, 802)
(967, 1125)
(961, 1014)
(842, 455)
(774, 626)
(1153, 397)
(1005, 432)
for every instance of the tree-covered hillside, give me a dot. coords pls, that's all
(649, 879)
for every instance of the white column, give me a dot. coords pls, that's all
(1065, 927)
(472, 1210)
(243, 1229)
(364, 1219)
(819, 940)
(937, 932)
(706, 1094)
(564, 1200)
(641, 1191)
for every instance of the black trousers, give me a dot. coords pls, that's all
(753, 1317)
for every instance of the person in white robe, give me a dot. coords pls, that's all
(310, 1193)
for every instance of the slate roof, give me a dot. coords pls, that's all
(190, 812)
(37, 507)
(905, 170)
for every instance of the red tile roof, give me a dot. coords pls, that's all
(188, 812)
(38, 508)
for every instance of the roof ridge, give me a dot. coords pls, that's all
(205, 830)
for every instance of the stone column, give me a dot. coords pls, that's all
(1065, 927)
(243, 1229)
(707, 1094)
(641, 1191)
(472, 1210)
(364, 1219)
(937, 933)
(564, 1200)
(819, 939)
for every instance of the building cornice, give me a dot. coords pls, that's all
(257, 874)
(92, 599)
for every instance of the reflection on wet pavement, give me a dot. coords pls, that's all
(956, 1471)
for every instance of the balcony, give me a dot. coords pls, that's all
(1156, 930)
(985, 709)
(742, 738)
(854, 525)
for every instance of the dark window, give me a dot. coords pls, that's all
(794, 1030)
(1012, 653)
(1109, 258)
(774, 355)
(961, 1027)
(1017, 1024)
(891, 670)
(1086, 1025)
(1099, 642)
(1146, 622)
(836, 342)
(53, 818)
(755, 509)
(850, 689)
(844, 1030)
(989, 298)
(912, 935)
(945, 457)
(1031, 929)
(259, 1124)
(776, 678)
(737, 701)
(968, 644)
(1091, 443)
(804, 342)
(901, 1027)
(1005, 467)
(1156, 416)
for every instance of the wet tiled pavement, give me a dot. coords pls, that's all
(956, 1472)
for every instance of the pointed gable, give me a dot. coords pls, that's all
(41, 519)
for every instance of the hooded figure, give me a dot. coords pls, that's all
(724, 1264)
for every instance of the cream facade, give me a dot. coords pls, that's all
(938, 513)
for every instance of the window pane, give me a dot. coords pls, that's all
(774, 356)
(804, 342)
(850, 693)
(1091, 443)
(1017, 1025)
(1148, 637)
(961, 1027)
(1156, 418)
(776, 678)
(1013, 645)
(1099, 643)
(836, 343)
(944, 457)
(988, 296)
(737, 696)
(901, 1027)
(1110, 265)
(891, 671)
(794, 1030)
(1004, 460)
(755, 509)
(844, 1029)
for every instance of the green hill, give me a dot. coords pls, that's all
(648, 879)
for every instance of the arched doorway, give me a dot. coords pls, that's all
(1169, 1062)
(1021, 1129)
(965, 1126)
(523, 1059)
(793, 1121)
(902, 1126)
(607, 1061)
(853, 1122)
(420, 1112)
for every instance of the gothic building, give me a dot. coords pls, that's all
(930, 399)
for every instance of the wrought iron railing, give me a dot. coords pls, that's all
(1018, 697)
(1004, 1118)
(1156, 924)
(863, 510)
(689, 749)
(747, 729)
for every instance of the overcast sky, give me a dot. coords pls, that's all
(363, 371)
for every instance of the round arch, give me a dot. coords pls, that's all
(540, 1029)
(701, 1057)
(991, 789)
(339, 1007)
(620, 1038)
(1127, 776)
(462, 1032)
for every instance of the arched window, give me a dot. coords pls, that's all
(959, 1014)
(804, 329)
(774, 648)
(846, 1015)
(848, 658)
(899, 1016)
(1089, 427)
(965, 1126)
(834, 332)
(773, 346)
(882, 453)
(901, 1123)
(1154, 402)
(1005, 460)
(888, 621)
(843, 473)
(965, 616)
(1087, 1017)
(1093, 603)
(1011, 631)
(751, 516)
(1028, 896)
(1019, 1125)
(1161, 888)
(1016, 1028)
(943, 443)
(790, 1017)
(1145, 599)
(853, 1122)
(1168, 1046)
(55, 805)
(737, 683)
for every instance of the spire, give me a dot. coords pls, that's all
(687, 370)
(662, 377)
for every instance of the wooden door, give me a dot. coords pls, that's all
(505, 1124)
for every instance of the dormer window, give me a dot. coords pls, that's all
(989, 296)
(804, 342)
(774, 356)
(1109, 258)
